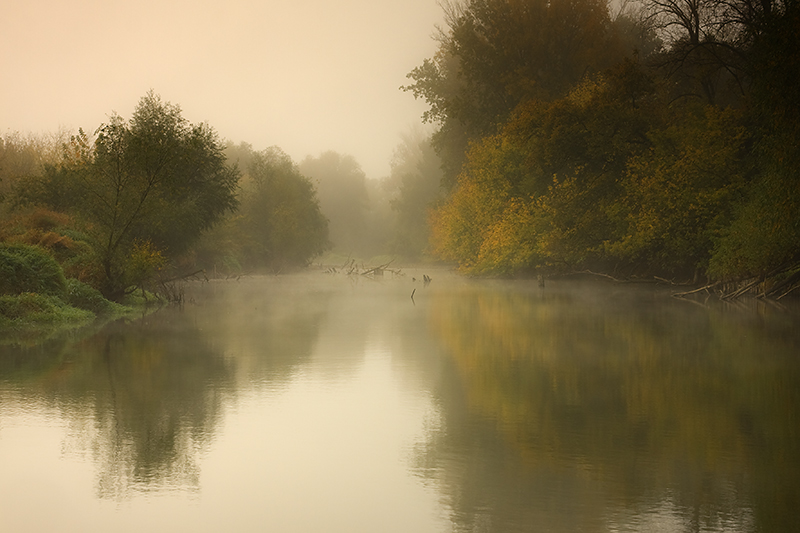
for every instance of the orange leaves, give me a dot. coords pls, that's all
(144, 260)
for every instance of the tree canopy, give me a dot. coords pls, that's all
(279, 223)
(145, 189)
(496, 54)
(652, 143)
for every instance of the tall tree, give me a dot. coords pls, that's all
(280, 215)
(416, 173)
(146, 188)
(495, 54)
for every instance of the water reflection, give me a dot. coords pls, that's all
(133, 401)
(479, 406)
(144, 398)
(578, 410)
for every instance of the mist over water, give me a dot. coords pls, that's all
(319, 402)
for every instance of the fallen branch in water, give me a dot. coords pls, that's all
(171, 290)
(377, 270)
(184, 277)
(790, 284)
(600, 274)
(706, 288)
(741, 290)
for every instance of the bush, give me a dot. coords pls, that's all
(25, 268)
(39, 308)
(86, 297)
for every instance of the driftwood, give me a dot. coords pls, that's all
(706, 288)
(743, 289)
(787, 285)
(761, 285)
(184, 277)
(351, 268)
(378, 270)
(601, 275)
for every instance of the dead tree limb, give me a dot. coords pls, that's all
(706, 288)
(600, 274)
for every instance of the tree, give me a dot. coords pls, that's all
(280, 216)
(764, 238)
(146, 189)
(496, 54)
(25, 156)
(679, 192)
(545, 190)
(416, 173)
(343, 197)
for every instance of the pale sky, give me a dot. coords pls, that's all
(305, 75)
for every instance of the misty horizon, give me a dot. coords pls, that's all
(307, 77)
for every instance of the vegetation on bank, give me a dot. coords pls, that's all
(656, 143)
(34, 291)
(142, 204)
(659, 142)
(138, 205)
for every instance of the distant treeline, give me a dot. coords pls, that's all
(142, 202)
(660, 141)
(133, 202)
(657, 141)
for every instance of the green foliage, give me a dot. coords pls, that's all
(544, 190)
(33, 290)
(22, 157)
(496, 54)
(416, 174)
(679, 162)
(58, 234)
(765, 232)
(86, 297)
(764, 235)
(460, 225)
(278, 225)
(33, 308)
(142, 263)
(280, 213)
(155, 179)
(679, 192)
(29, 269)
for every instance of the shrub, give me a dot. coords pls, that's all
(39, 308)
(84, 296)
(25, 268)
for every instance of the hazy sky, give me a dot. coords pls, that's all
(305, 75)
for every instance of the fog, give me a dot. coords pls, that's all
(332, 402)
(305, 75)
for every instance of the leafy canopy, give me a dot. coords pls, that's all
(154, 183)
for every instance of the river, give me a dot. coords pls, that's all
(330, 403)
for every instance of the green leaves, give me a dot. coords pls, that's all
(154, 179)
(278, 224)
(281, 214)
(25, 268)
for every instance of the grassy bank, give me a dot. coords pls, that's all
(35, 294)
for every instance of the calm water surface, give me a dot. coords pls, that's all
(324, 403)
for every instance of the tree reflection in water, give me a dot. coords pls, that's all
(584, 411)
(144, 398)
(555, 409)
